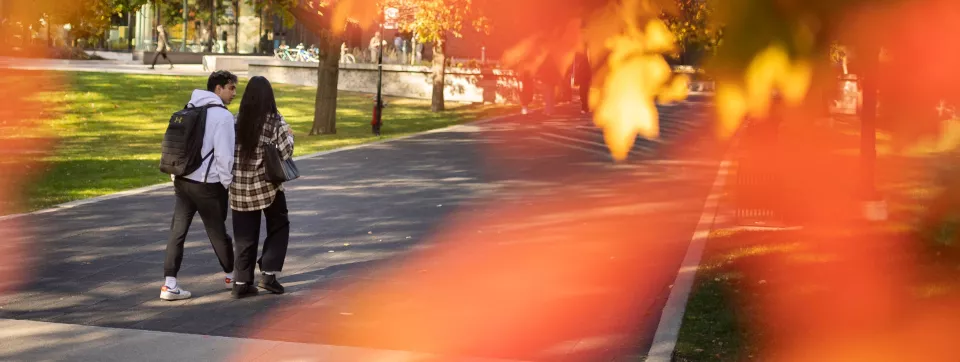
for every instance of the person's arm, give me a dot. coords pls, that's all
(285, 139)
(224, 141)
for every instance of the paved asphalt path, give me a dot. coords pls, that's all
(517, 238)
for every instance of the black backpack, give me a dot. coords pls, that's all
(183, 141)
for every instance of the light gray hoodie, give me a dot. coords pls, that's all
(219, 136)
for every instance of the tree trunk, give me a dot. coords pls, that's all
(328, 70)
(328, 74)
(130, 24)
(439, 70)
(236, 26)
(49, 38)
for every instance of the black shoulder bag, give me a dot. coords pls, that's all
(278, 169)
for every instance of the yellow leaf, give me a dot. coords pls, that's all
(761, 76)
(772, 70)
(676, 91)
(795, 82)
(731, 108)
(626, 108)
(659, 38)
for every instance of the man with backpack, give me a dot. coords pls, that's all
(197, 152)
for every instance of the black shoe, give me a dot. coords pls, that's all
(243, 291)
(270, 283)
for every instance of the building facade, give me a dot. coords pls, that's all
(239, 29)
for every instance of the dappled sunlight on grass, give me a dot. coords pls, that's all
(110, 126)
(760, 250)
(934, 290)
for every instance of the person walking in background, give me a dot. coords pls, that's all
(375, 43)
(398, 45)
(162, 47)
(204, 189)
(549, 78)
(405, 50)
(259, 123)
(417, 49)
(223, 41)
(527, 84)
(583, 77)
(265, 44)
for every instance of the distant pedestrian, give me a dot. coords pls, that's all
(162, 47)
(223, 41)
(583, 77)
(398, 46)
(201, 174)
(265, 44)
(549, 78)
(417, 49)
(259, 123)
(375, 44)
(527, 85)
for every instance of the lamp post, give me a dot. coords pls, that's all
(183, 46)
(378, 108)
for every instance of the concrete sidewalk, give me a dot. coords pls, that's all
(104, 66)
(42, 341)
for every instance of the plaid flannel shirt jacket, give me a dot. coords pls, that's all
(250, 190)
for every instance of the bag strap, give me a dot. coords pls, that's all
(190, 105)
(206, 175)
(209, 165)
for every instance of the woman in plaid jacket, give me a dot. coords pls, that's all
(258, 124)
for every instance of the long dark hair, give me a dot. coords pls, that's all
(256, 106)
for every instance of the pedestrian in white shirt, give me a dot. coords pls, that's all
(205, 191)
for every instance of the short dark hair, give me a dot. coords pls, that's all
(220, 78)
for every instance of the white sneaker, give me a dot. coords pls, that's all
(173, 294)
(228, 283)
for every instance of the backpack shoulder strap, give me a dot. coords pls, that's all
(210, 155)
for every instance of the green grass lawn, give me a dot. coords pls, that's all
(109, 127)
(716, 324)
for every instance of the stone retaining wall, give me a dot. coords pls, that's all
(233, 63)
(462, 85)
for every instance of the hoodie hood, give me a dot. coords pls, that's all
(202, 98)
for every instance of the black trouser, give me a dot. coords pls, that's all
(526, 91)
(157, 56)
(246, 227)
(210, 200)
(585, 97)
